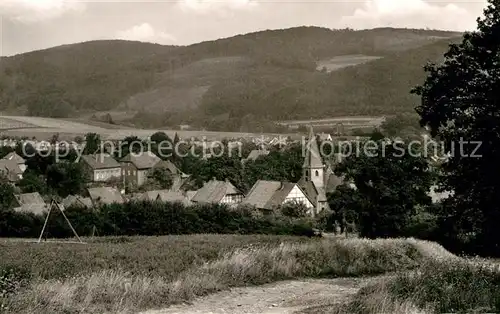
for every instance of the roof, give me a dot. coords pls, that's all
(268, 194)
(105, 195)
(31, 202)
(214, 191)
(313, 193)
(15, 157)
(30, 198)
(165, 196)
(256, 153)
(170, 166)
(11, 169)
(142, 161)
(100, 161)
(77, 200)
(313, 157)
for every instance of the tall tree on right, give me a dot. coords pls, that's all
(460, 105)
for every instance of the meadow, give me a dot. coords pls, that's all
(128, 274)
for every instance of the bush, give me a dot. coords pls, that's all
(152, 219)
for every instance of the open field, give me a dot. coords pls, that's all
(44, 128)
(340, 62)
(126, 275)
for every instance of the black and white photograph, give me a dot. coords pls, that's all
(249, 156)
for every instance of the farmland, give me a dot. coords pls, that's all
(340, 62)
(157, 272)
(44, 128)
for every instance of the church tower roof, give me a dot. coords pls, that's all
(313, 157)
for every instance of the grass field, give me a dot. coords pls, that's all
(44, 128)
(130, 274)
(340, 62)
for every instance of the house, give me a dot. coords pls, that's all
(20, 161)
(166, 196)
(317, 179)
(101, 167)
(31, 203)
(77, 201)
(268, 195)
(105, 196)
(219, 192)
(135, 168)
(10, 169)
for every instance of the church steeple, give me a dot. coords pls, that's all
(313, 167)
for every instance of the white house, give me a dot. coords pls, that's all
(268, 195)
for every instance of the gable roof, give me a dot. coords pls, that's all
(313, 193)
(11, 169)
(214, 191)
(313, 157)
(165, 196)
(15, 157)
(30, 198)
(105, 195)
(100, 161)
(170, 166)
(77, 200)
(268, 194)
(31, 202)
(142, 161)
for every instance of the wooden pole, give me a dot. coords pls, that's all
(69, 223)
(45, 224)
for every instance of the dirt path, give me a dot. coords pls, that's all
(278, 298)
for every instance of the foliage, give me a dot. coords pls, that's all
(161, 178)
(273, 70)
(294, 210)
(151, 218)
(391, 179)
(66, 178)
(7, 198)
(459, 104)
(32, 182)
(92, 143)
(445, 286)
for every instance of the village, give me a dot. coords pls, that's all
(109, 179)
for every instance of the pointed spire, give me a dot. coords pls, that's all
(313, 157)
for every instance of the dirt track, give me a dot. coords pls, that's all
(277, 298)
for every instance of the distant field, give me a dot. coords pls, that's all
(44, 128)
(7, 123)
(340, 62)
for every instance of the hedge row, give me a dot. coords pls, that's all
(150, 219)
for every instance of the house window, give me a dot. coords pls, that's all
(317, 173)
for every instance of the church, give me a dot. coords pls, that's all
(318, 178)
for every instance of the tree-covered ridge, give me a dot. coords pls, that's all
(274, 73)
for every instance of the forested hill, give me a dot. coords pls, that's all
(267, 75)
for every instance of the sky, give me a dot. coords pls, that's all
(27, 25)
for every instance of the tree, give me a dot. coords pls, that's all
(160, 177)
(460, 105)
(92, 143)
(66, 178)
(7, 198)
(391, 180)
(32, 182)
(294, 210)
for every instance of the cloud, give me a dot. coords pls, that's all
(412, 14)
(221, 7)
(146, 33)
(32, 11)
